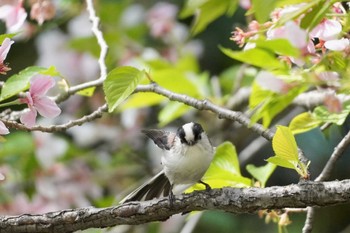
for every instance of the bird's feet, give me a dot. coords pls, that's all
(207, 186)
(171, 199)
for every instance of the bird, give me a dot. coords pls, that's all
(187, 155)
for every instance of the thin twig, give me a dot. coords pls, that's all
(207, 105)
(100, 40)
(337, 153)
(57, 128)
(324, 175)
(101, 61)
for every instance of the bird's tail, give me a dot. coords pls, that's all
(158, 186)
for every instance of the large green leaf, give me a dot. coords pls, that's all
(20, 82)
(286, 151)
(224, 170)
(142, 99)
(303, 123)
(284, 144)
(257, 57)
(278, 46)
(281, 162)
(120, 84)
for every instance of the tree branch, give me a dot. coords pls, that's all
(57, 128)
(207, 105)
(324, 175)
(233, 200)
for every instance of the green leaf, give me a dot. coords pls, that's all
(268, 104)
(142, 99)
(224, 170)
(314, 17)
(84, 44)
(303, 123)
(297, 13)
(227, 158)
(257, 57)
(120, 84)
(4, 36)
(172, 111)
(321, 113)
(284, 144)
(206, 11)
(278, 46)
(177, 80)
(51, 71)
(263, 173)
(19, 82)
(88, 92)
(281, 162)
(263, 9)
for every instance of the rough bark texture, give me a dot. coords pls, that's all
(246, 200)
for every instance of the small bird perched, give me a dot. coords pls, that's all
(187, 156)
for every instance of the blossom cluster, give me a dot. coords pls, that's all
(313, 43)
(327, 35)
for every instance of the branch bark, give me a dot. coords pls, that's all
(234, 200)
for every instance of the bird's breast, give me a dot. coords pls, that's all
(187, 164)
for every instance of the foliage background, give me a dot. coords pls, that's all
(100, 162)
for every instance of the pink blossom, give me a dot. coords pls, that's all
(14, 16)
(337, 45)
(4, 49)
(328, 29)
(38, 101)
(3, 128)
(245, 4)
(272, 83)
(161, 19)
(329, 78)
(292, 32)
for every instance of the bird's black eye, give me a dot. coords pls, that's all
(181, 134)
(197, 130)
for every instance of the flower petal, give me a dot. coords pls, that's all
(328, 29)
(47, 107)
(28, 118)
(337, 45)
(40, 84)
(3, 128)
(5, 48)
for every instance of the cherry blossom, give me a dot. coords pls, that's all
(245, 4)
(3, 129)
(161, 19)
(37, 100)
(328, 29)
(4, 49)
(13, 15)
(292, 32)
(272, 83)
(42, 10)
(337, 45)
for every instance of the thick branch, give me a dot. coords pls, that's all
(234, 200)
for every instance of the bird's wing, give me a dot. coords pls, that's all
(163, 139)
(158, 186)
